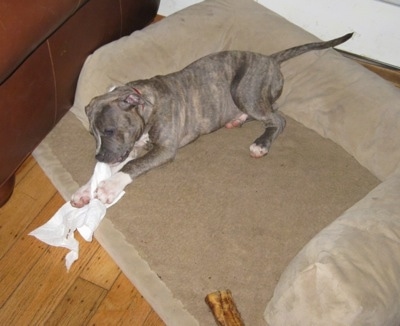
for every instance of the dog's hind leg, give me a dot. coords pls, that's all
(274, 125)
(255, 97)
(261, 110)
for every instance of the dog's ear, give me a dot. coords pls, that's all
(88, 110)
(142, 106)
(134, 99)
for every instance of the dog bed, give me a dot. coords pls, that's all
(305, 220)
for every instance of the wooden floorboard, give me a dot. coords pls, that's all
(36, 289)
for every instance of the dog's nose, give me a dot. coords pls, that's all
(100, 157)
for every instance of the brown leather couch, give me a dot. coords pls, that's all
(43, 45)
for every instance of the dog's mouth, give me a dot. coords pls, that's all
(112, 159)
(120, 160)
(124, 157)
(113, 165)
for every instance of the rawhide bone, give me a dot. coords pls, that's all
(224, 309)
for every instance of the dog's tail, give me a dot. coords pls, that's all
(297, 50)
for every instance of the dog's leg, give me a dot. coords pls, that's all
(108, 190)
(263, 111)
(258, 103)
(274, 125)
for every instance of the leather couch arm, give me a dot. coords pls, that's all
(44, 44)
(25, 25)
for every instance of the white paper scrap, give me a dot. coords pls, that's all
(59, 230)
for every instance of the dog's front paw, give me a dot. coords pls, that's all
(81, 197)
(108, 190)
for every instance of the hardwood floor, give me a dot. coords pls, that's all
(35, 287)
(388, 73)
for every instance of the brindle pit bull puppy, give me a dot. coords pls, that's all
(221, 89)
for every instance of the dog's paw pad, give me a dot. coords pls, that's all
(81, 197)
(80, 202)
(258, 151)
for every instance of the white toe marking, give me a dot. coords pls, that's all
(257, 151)
(238, 121)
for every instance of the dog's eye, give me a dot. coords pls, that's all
(109, 132)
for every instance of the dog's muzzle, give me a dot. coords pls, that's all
(111, 158)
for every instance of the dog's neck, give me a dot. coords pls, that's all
(137, 91)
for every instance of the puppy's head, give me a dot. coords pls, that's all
(117, 120)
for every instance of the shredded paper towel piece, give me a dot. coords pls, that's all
(59, 230)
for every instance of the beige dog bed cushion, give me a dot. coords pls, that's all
(349, 273)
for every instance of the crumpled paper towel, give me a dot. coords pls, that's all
(59, 230)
